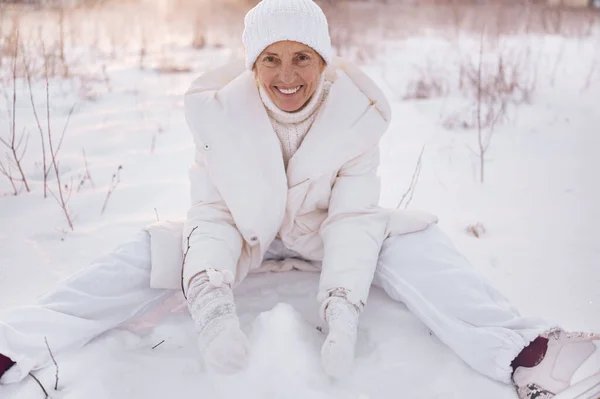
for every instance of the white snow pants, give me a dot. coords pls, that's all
(423, 270)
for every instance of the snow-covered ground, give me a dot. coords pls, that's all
(539, 206)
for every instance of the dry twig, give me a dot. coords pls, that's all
(54, 150)
(40, 384)
(55, 364)
(87, 176)
(116, 179)
(413, 183)
(184, 257)
(46, 168)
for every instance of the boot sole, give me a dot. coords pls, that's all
(585, 389)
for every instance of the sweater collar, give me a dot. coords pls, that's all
(284, 117)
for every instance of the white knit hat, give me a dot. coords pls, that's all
(272, 21)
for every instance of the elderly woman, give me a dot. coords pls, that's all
(285, 177)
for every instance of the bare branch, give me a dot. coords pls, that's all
(69, 189)
(479, 89)
(55, 364)
(61, 198)
(87, 175)
(46, 169)
(62, 136)
(6, 173)
(14, 97)
(13, 144)
(413, 182)
(40, 384)
(21, 139)
(87, 169)
(116, 179)
(184, 258)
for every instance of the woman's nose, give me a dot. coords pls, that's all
(287, 75)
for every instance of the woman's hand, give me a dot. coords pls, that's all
(222, 343)
(337, 353)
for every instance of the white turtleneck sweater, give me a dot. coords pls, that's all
(292, 127)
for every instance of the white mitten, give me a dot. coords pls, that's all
(222, 343)
(337, 353)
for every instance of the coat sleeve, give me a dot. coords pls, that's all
(354, 230)
(214, 241)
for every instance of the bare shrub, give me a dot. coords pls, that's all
(355, 28)
(552, 20)
(429, 82)
(492, 117)
(45, 167)
(8, 40)
(495, 82)
(505, 78)
(14, 144)
(428, 85)
(199, 31)
(61, 38)
(62, 197)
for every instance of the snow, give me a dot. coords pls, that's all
(538, 205)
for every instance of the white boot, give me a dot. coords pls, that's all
(570, 369)
(337, 353)
(222, 343)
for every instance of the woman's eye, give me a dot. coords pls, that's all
(303, 57)
(269, 59)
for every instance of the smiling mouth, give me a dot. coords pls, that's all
(288, 92)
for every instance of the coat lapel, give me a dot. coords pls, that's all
(246, 163)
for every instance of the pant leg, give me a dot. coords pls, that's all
(107, 293)
(426, 272)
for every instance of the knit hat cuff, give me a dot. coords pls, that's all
(262, 31)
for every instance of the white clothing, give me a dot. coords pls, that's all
(223, 345)
(324, 206)
(423, 270)
(337, 352)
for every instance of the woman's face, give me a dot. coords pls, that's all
(289, 72)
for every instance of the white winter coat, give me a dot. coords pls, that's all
(325, 207)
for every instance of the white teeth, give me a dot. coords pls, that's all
(289, 91)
